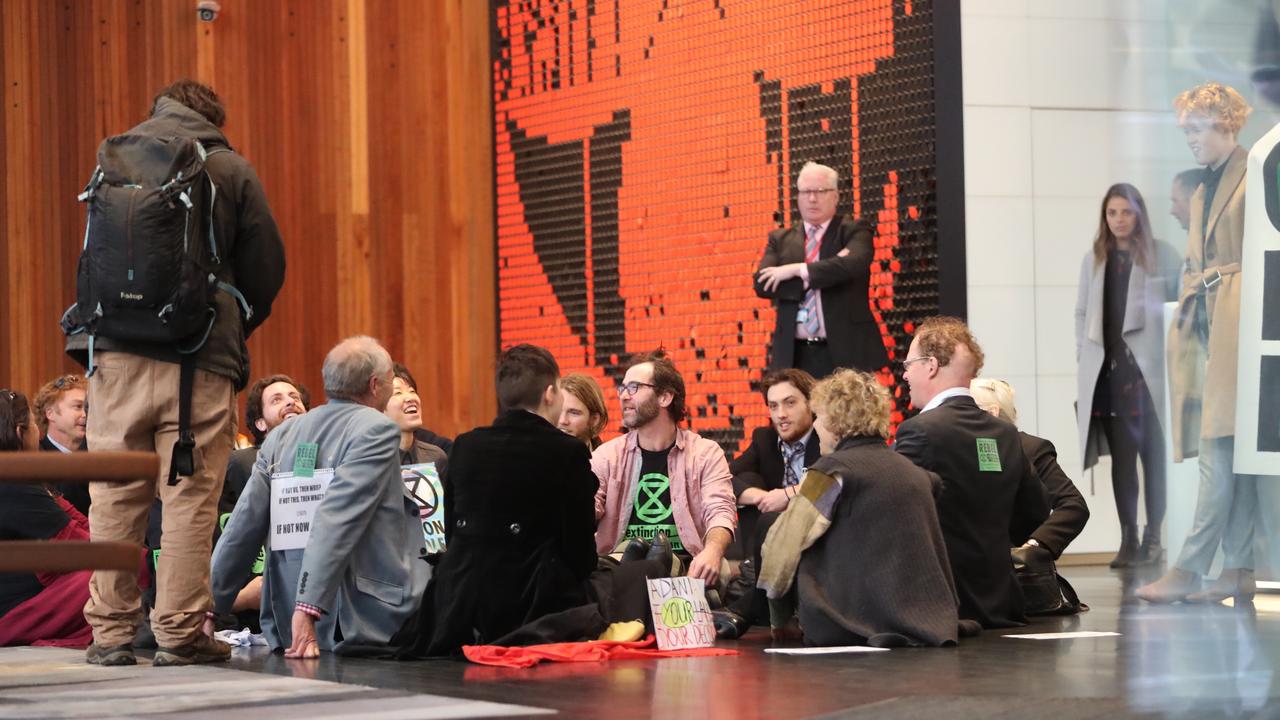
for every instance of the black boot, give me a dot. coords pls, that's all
(1128, 555)
(1151, 553)
(637, 549)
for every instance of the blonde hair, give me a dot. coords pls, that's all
(989, 391)
(852, 403)
(1221, 103)
(588, 392)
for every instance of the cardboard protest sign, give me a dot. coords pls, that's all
(681, 615)
(423, 483)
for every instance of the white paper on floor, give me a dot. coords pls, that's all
(1065, 635)
(825, 650)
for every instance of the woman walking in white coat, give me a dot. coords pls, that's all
(1120, 355)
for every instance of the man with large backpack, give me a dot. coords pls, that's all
(181, 262)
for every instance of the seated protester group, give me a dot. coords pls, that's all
(62, 410)
(1069, 512)
(519, 560)
(766, 478)
(422, 433)
(662, 478)
(988, 494)
(271, 401)
(360, 573)
(38, 608)
(584, 414)
(861, 539)
(405, 410)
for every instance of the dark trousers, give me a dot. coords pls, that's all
(814, 358)
(1131, 436)
(754, 605)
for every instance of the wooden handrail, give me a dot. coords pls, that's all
(77, 467)
(28, 556)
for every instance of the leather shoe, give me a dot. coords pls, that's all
(637, 549)
(660, 550)
(1172, 587)
(1237, 583)
(729, 624)
(791, 632)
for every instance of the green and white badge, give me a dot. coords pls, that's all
(988, 455)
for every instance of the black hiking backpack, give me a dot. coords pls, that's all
(148, 270)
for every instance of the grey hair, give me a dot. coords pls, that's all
(987, 391)
(350, 364)
(830, 172)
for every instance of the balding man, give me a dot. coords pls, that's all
(987, 495)
(816, 272)
(345, 551)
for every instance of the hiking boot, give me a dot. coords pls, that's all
(111, 656)
(202, 650)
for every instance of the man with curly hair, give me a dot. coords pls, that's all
(1203, 355)
(62, 410)
(987, 496)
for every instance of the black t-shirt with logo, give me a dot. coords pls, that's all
(651, 513)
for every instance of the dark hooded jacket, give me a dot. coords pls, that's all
(253, 254)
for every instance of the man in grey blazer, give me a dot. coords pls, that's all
(361, 571)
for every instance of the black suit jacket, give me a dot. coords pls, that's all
(75, 493)
(519, 507)
(980, 511)
(1070, 512)
(852, 334)
(760, 466)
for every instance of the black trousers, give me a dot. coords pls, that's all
(754, 604)
(1132, 435)
(814, 358)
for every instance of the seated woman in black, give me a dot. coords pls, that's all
(872, 565)
(1069, 511)
(38, 608)
(520, 563)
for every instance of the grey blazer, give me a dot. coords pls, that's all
(363, 565)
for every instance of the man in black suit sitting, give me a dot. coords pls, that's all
(986, 492)
(766, 478)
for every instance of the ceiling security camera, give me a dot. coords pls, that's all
(207, 10)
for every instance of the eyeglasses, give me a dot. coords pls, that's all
(906, 364)
(632, 388)
(815, 192)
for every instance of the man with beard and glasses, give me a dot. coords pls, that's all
(661, 480)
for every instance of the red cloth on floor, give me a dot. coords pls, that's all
(54, 617)
(591, 651)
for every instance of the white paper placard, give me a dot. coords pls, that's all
(424, 486)
(293, 504)
(681, 615)
(1065, 635)
(840, 650)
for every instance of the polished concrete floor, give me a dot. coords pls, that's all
(1171, 661)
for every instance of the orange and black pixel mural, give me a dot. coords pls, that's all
(645, 149)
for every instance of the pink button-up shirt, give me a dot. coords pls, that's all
(701, 488)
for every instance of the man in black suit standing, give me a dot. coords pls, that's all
(767, 476)
(816, 273)
(987, 494)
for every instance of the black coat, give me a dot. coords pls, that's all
(1070, 512)
(882, 565)
(760, 466)
(75, 493)
(852, 334)
(519, 504)
(980, 511)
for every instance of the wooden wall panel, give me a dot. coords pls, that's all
(369, 124)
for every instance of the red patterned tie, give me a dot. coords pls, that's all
(810, 305)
